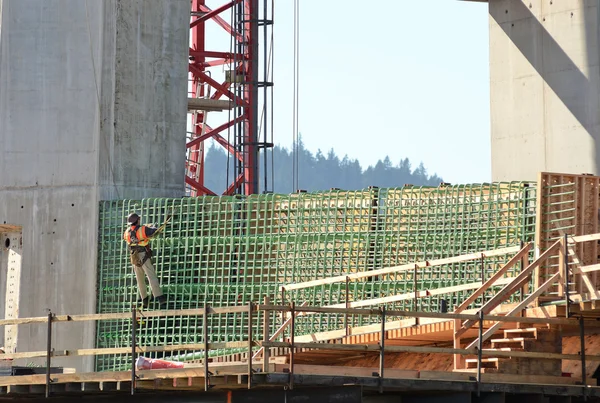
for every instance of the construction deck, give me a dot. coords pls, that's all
(338, 304)
(397, 366)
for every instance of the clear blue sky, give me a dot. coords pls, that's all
(389, 77)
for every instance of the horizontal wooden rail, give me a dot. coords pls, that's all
(279, 308)
(123, 315)
(418, 294)
(430, 350)
(418, 314)
(401, 268)
(586, 269)
(584, 238)
(84, 352)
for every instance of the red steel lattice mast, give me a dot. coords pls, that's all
(237, 96)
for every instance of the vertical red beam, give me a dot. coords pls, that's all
(251, 94)
(196, 155)
(246, 119)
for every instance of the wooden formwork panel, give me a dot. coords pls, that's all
(567, 204)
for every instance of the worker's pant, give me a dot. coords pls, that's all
(148, 269)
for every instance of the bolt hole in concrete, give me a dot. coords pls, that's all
(7, 243)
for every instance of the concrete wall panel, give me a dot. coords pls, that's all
(92, 107)
(553, 125)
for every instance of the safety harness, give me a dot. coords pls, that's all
(143, 245)
(135, 248)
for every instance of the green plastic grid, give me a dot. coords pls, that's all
(233, 250)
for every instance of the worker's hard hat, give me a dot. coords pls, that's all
(133, 218)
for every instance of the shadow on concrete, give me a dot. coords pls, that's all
(592, 36)
(553, 64)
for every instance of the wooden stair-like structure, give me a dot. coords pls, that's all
(530, 339)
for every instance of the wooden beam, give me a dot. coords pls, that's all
(515, 259)
(204, 104)
(583, 275)
(411, 295)
(125, 350)
(304, 369)
(280, 330)
(584, 238)
(10, 228)
(509, 289)
(417, 314)
(124, 315)
(433, 350)
(363, 330)
(587, 269)
(517, 309)
(372, 347)
(539, 222)
(401, 268)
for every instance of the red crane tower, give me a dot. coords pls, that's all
(240, 97)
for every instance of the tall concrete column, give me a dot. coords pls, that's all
(545, 87)
(92, 107)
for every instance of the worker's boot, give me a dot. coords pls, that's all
(162, 300)
(145, 302)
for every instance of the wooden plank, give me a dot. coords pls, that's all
(363, 330)
(577, 202)
(584, 278)
(121, 375)
(414, 314)
(280, 330)
(434, 350)
(305, 369)
(587, 269)
(518, 308)
(584, 238)
(587, 281)
(10, 228)
(509, 289)
(125, 350)
(458, 360)
(372, 347)
(419, 294)
(539, 222)
(499, 378)
(595, 222)
(123, 315)
(495, 277)
(562, 262)
(401, 268)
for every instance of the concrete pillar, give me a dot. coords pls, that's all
(92, 107)
(545, 87)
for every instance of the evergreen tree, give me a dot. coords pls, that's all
(318, 172)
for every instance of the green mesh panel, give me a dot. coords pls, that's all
(228, 251)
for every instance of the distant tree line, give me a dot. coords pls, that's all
(318, 172)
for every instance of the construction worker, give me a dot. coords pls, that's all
(138, 238)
